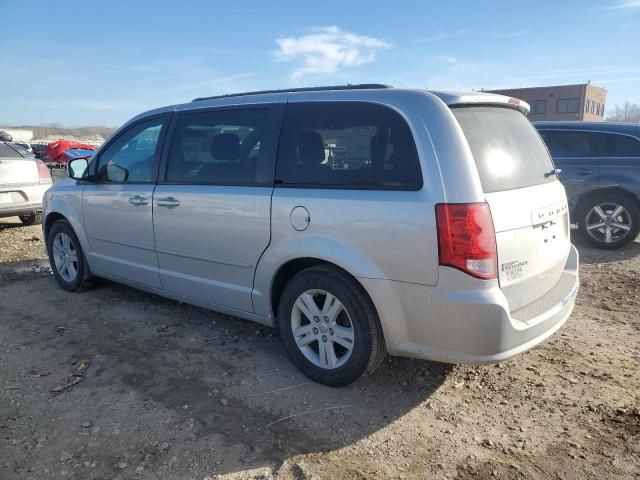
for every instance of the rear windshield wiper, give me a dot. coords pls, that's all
(555, 171)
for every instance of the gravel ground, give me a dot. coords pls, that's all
(116, 383)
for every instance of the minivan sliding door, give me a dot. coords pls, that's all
(212, 210)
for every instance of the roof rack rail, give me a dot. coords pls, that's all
(357, 86)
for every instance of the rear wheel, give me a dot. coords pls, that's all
(67, 259)
(330, 327)
(609, 221)
(33, 219)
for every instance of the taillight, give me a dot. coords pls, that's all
(44, 174)
(466, 238)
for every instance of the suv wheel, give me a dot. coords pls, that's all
(66, 258)
(32, 219)
(330, 327)
(609, 221)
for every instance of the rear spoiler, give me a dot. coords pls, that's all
(458, 99)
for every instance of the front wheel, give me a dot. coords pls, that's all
(329, 326)
(66, 258)
(608, 221)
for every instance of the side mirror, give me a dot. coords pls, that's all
(116, 173)
(77, 168)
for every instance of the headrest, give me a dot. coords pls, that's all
(378, 149)
(310, 147)
(225, 147)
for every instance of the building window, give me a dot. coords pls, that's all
(561, 105)
(568, 105)
(586, 105)
(538, 107)
(573, 105)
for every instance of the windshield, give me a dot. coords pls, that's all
(507, 149)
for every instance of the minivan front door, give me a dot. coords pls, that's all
(212, 212)
(117, 206)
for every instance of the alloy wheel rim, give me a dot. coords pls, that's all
(322, 329)
(608, 222)
(65, 257)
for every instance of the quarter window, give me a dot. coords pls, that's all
(224, 147)
(347, 145)
(131, 157)
(624, 146)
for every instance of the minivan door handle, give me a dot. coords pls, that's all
(584, 171)
(138, 200)
(169, 202)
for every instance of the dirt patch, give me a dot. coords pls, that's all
(172, 391)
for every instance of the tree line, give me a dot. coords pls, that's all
(627, 112)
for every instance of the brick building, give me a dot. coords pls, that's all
(562, 102)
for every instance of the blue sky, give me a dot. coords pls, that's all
(100, 63)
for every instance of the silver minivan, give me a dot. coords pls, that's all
(359, 220)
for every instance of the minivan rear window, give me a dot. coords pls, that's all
(508, 151)
(9, 152)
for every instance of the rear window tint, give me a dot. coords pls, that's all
(8, 152)
(580, 144)
(507, 150)
(347, 145)
(624, 146)
(575, 144)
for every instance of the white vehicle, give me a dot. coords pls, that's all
(23, 181)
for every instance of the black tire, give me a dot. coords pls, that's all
(33, 219)
(83, 280)
(368, 350)
(583, 214)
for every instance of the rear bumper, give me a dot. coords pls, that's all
(27, 199)
(465, 324)
(22, 210)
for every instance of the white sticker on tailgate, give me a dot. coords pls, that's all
(513, 270)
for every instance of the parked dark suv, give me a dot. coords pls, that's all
(600, 163)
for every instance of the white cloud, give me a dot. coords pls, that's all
(192, 86)
(446, 59)
(328, 49)
(448, 35)
(627, 4)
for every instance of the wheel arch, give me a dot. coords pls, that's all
(294, 266)
(54, 213)
(50, 219)
(290, 255)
